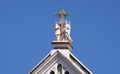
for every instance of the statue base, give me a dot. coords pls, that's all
(62, 45)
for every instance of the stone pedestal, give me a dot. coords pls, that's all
(62, 45)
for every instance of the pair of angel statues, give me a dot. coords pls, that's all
(63, 34)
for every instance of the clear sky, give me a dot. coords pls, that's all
(27, 29)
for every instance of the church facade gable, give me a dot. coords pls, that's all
(51, 64)
(60, 66)
(59, 63)
(60, 60)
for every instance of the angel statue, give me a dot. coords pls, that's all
(67, 30)
(57, 31)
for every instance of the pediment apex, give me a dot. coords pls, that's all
(64, 55)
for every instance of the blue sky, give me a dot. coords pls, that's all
(27, 29)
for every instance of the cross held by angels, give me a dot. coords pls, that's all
(62, 29)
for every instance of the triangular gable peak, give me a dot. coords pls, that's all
(60, 60)
(63, 57)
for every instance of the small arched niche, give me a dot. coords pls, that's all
(52, 72)
(66, 72)
(59, 69)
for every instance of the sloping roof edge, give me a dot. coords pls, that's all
(71, 57)
(80, 63)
